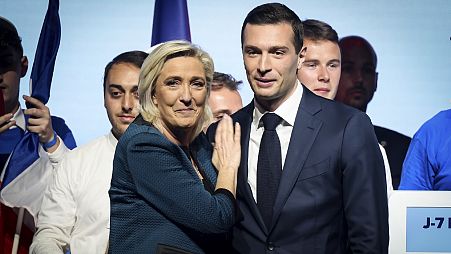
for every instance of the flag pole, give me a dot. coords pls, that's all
(18, 229)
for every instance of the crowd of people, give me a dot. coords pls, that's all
(186, 168)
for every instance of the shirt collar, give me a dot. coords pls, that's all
(19, 117)
(285, 110)
(112, 139)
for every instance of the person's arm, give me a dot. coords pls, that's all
(417, 172)
(364, 188)
(171, 185)
(57, 214)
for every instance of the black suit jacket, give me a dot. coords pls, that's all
(396, 146)
(332, 194)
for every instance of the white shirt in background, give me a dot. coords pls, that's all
(75, 211)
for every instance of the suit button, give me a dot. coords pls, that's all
(270, 246)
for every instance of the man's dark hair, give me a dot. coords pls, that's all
(9, 38)
(316, 30)
(272, 14)
(135, 58)
(221, 79)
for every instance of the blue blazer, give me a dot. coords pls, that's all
(332, 194)
(158, 202)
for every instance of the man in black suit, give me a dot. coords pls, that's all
(321, 187)
(358, 83)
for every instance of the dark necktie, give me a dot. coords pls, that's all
(269, 167)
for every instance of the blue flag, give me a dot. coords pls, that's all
(46, 51)
(170, 21)
(27, 152)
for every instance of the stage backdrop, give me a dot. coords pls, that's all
(411, 39)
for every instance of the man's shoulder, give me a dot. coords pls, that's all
(387, 134)
(92, 148)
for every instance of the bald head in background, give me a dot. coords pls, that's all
(358, 80)
(358, 83)
(224, 96)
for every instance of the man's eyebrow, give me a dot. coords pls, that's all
(275, 48)
(119, 87)
(334, 61)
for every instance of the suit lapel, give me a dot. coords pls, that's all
(244, 117)
(305, 130)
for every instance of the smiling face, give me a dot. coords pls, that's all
(270, 61)
(320, 71)
(180, 96)
(121, 96)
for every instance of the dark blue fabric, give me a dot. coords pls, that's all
(8, 140)
(26, 149)
(46, 51)
(170, 21)
(158, 199)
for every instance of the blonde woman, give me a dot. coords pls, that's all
(171, 192)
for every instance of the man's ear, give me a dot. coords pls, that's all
(301, 57)
(23, 66)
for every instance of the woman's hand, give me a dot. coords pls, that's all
(227, 148)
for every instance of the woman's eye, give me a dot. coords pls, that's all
(171, 82)
(198, 84)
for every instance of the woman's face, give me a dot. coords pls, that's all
(181, 94)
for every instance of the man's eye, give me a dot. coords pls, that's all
(310, 65)
(116, 94)
(219, 116)
(368, 70)
(279, 53)
(251, 52)
(334, 65)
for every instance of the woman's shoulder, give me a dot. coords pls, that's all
(141, 131)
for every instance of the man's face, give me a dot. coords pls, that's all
(121, 96)
(224, 101)
(320, 71)
(358, 75)
(12, 68)
(270, 61)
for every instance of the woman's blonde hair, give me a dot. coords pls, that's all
(152, 67)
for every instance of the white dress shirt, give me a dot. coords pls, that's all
(75, 211)
(287, 111)
(387, 172)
